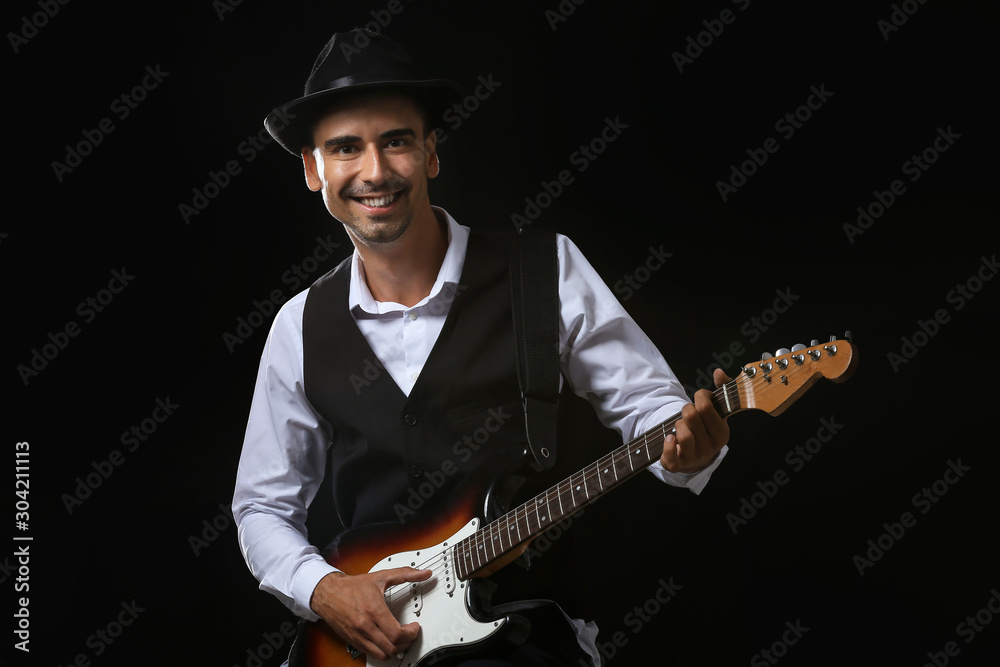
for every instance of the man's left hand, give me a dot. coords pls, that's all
(701, 433)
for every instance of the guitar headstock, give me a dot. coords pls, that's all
(775, 382)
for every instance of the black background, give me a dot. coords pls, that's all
(135, 538)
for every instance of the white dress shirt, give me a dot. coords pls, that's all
(604, 356)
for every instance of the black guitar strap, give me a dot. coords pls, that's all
(535, 301)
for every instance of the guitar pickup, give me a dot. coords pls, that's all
(449, 571)
(416, 601)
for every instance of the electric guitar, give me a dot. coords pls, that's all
(458, 548)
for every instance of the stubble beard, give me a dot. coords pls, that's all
(374, 230)
(377, 230)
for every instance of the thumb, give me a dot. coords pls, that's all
(720, 377)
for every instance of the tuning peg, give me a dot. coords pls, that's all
(766, 356)
(813, 343)
(782, 351)
(797, 347)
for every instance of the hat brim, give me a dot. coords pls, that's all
(291, 124)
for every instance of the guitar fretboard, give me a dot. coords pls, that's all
(548, 508)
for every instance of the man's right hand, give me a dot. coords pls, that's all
(354, 606)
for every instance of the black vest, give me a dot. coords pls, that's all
(395, 456)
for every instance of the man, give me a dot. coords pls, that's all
(383, 366)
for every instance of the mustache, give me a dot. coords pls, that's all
(390, 186)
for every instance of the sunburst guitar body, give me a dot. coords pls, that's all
(458, 548)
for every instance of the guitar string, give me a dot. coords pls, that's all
(758, 384)
(466, 548)
(564, 490)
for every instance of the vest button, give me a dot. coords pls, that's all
(410, 420)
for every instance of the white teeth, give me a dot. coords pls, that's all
(378, 201)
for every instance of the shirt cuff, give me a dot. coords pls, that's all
(304, 583)
(695, 481)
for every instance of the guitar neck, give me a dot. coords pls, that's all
(487, 548)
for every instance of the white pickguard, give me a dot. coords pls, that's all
(437, 604)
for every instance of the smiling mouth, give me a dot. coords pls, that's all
(377, 202)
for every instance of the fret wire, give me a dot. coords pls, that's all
(470, 553)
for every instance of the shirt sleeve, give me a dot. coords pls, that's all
(608, 360)
(280, 470)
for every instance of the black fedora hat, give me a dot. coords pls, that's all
(352, 61)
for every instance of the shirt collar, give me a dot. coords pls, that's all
(361, 300)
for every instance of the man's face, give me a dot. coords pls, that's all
(372, 162)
